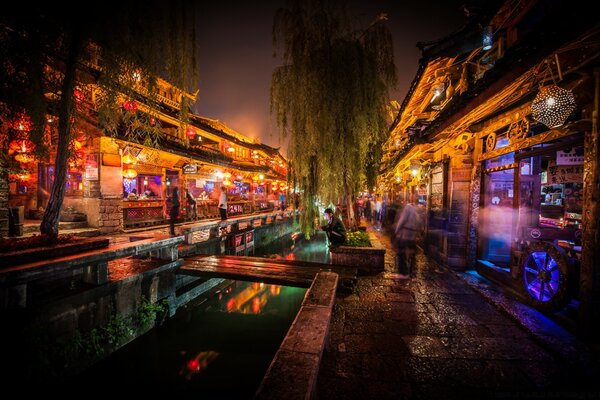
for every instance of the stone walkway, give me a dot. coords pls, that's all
(434, 337)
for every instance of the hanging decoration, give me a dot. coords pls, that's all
(553, 105)
(190, 133)
(129, 173)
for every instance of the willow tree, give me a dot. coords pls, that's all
(51, 49)
(329, 96)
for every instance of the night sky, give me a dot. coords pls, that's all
(235, 53)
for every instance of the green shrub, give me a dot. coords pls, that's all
(358, 239)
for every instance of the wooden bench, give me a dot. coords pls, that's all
(93, 265)
(295, 367)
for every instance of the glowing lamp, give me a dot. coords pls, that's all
(130, 105)
(24, 158)
(414, 172)
(231, 149)
(190, 133)
(488, 38)
(261, 177)
(226, 182)
(553, 105)
(129, 173)
(129, 159)
(227, 175)
(24, 175)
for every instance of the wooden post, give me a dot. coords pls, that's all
(589, 318)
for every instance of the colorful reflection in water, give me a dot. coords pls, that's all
(247, 299)
(218, 346)
(296, 247)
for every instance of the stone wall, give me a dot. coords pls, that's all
(111, 214)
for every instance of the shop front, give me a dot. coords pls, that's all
(530, 216)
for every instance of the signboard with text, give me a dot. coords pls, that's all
(91, 167)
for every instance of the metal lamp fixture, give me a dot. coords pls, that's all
(553, 105)
(488, 38)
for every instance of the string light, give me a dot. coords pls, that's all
(553, 105)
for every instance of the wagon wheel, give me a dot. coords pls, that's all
(518, 130)
(490, 141)
(545, 276)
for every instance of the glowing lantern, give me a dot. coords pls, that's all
(231, 149)
(227, 175)
(129, 159)
(553, 105)
(24, 158)
(24, 175)
(261, 177)
(129, 173)
(130, 105)
(226, 182)
(190, 133)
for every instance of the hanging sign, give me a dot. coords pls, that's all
(190, 168)
(91, 167)
(573, 157)
(564, 173)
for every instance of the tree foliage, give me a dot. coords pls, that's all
(51, 51)
(330, 95)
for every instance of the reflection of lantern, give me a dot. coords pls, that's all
(129, 173)
(553, 105)
(190, 133)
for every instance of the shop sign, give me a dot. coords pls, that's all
(573, 157)
(563, 173)
(91, 167)
(235, 209)
(190, 168)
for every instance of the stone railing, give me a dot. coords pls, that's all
(91, 266)
(295, 367)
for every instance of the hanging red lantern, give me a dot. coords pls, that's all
(190, 133)
(130, 105)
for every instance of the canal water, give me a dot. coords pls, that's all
(217, 346)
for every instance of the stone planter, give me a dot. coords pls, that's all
(368, 260)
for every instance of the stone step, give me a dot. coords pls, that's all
(88, 232)
(34, 227)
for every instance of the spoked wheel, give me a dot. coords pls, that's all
(545, 276)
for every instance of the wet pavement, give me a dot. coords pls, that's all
(443, 335)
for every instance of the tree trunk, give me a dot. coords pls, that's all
(348, 200)
(49, 225)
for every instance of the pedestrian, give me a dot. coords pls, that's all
(223, 203)
(368, 215)
(191, 204)
(335, 229)
(174, 211)
(407, 229)
(282, 201)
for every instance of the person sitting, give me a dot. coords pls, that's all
(335, 229)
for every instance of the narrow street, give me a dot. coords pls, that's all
(435, 337)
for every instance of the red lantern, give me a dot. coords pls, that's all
(130, 105)
(190, 133)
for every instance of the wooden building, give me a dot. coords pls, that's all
(498, 139)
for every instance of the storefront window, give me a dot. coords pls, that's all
(496, 217)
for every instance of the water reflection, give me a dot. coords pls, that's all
(297, 247)
(216, 347)
(245, 298)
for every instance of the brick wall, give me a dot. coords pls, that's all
(111, 214)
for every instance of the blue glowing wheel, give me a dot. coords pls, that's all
(545, 276)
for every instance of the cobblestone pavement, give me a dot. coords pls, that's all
(434, 337)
